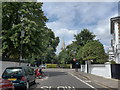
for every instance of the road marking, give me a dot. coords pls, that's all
(58, 88)
(65, 88)
(44, 78)
(46, 87)
(87, 81)
(83, 81)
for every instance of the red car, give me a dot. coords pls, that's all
(6, 85)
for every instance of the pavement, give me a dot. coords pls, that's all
(112, 84)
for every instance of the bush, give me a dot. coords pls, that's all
(51, 65)
(56, 65)
(99, 61)
(66, 65)
(112, 62)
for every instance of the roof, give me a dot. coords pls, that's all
(112, 22)
(13, 67)
(16, 67)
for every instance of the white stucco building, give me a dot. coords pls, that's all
(114, 50)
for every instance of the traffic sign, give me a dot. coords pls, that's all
(74, 59)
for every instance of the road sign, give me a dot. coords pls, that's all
(74, 59)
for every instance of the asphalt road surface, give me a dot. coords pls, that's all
(64, 79)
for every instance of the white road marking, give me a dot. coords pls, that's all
(87, 81)
(83, 81)
(58, 87)
(44, 78)
(46, 87)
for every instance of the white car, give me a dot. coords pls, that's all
(43, 66)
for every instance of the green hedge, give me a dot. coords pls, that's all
(56, 66)
(51, 65)
(66, 65)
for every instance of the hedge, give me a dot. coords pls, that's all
(51, 65)
(60, 65)
(66, 65)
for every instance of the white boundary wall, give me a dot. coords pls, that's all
(103, 70)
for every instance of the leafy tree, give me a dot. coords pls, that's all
(72, 51)
(112, 62)
(27, 16)
(93, 50)
(85, 48)
(63, 56)
(80, 40)
(83, 37)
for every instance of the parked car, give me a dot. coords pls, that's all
(43, 66)
(21, 77)
(6, 85)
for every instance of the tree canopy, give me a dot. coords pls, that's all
(84, 48)
(93, 50)
(83, 37)
(37, 41)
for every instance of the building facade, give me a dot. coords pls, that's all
(114, 50)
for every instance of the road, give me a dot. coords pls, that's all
(64, 79)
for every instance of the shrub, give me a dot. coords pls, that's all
(65, 65)
(51, 65)
(112, 62)
(56, 66)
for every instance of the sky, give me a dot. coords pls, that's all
(68, 18)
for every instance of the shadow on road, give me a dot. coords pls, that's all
(33, 86)
(52, 74)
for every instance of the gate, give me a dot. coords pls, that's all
(115, 71)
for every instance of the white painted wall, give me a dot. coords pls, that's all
(82, 68)
(103, 70)
(116, 44)
(116, 34)
(85, 67)
(98, 70)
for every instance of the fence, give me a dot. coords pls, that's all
(115, 71)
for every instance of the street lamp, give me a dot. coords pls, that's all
(22, 35)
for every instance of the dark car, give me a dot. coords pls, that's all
(6, 85)
(21, 77)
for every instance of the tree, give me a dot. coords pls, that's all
(83, 37)
(63, 56)
(27, 16)
(93, 50)
(80, 40)
(85, 48)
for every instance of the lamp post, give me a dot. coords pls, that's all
(22, 35)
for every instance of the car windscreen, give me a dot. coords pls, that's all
(13, 72)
